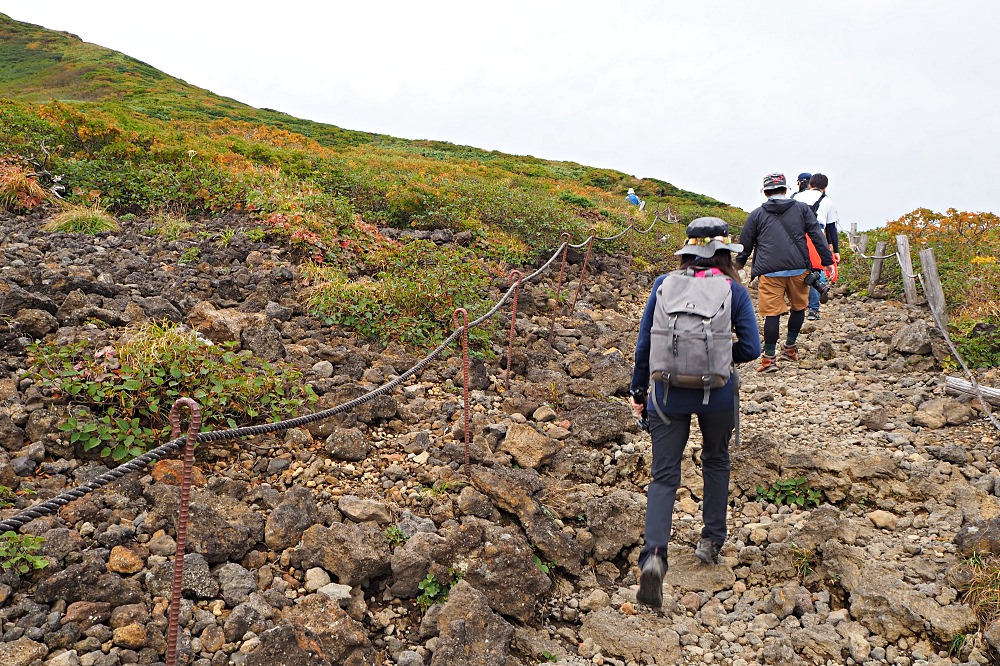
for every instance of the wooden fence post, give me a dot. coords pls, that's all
(876, 266)
(906, 268)
(932, 287)
(852, 237)
(863, 243)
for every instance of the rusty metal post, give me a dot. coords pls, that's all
(465, 379)
(583, 271)
(182, 516)
(513, 317)
(562, 268)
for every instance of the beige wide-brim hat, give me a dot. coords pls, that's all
(706, 236)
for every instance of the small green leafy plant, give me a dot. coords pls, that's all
(957, 645)
(805, 560)
(190, 255)
(255, 234)
(546, 566)
(793, 492)
(18, 552)
(395, 536)
(433, 591)
(548, 657)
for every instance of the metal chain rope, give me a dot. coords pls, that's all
(52, 505)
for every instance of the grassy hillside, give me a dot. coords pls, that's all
(120, 136)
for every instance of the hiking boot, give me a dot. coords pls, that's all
(813, 314)
(768, 364)
(791, 353)
(707, 551)
(651, 582)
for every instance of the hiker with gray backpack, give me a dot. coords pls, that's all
(684, 360)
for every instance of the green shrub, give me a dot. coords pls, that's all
(82, 220)
(576, 200)
(791, 492)
(978, 343)
(18, 552)
(123, 394)
(410, 294)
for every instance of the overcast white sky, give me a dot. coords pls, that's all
(895, 100)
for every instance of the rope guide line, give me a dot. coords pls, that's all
(941, 327)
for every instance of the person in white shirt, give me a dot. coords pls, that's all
(827, 216)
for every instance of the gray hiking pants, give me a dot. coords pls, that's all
(669, 441)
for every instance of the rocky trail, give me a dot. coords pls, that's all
(360, 539)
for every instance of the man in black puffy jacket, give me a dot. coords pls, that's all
(775, 233)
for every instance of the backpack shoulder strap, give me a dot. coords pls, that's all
(791, 236)
(815, 205)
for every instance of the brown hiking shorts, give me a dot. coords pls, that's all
(772, 292)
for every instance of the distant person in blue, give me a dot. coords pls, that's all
(632, 198)
(709, 253)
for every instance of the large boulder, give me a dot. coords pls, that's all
(913, 338)
(643, 639)
(354, 553)
(512, 490)
(341, 639)
(469, 632)
(880, 603)
(496, 560)
(617, 520)
(597, 422)
(529, 447)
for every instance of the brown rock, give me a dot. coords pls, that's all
(87, 613)
(343, 640)
(212, 638)
(171, 472)
(132, 636)
(470, 632)
(124, 561)
(128, 614)
(21, 652)
(529, 447)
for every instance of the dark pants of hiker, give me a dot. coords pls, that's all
(669, 441)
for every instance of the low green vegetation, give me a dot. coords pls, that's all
(545, 566)
(121, 395)
(982, 589)
(19, 552)
(805, 560)
(435, 590)
(81, 219)
(395, 536)
(793, 492)
(169, 226)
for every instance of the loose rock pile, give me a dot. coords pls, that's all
(336, 543)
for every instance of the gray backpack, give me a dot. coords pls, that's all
(691, 345)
